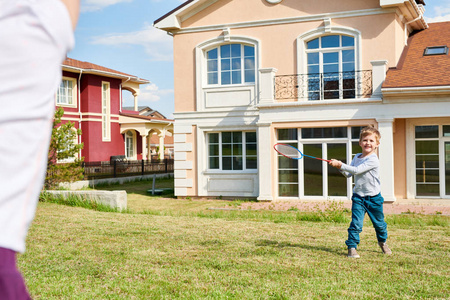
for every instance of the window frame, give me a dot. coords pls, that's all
(219, 70)
(220, 155)
(133, 140)
(299, 142)
(411, 177)
(106, 111)
(73, 93)
(444, 48)
(322, 75)
(203, 90)
(302, 57)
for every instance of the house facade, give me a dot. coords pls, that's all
(91, 96)
(310, 74)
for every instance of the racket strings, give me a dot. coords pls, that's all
(287, 150)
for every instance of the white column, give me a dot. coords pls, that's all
(264, 163)
(378, 76)
(161, 146)
(135, 102)
(267, 85)
(144, 146)
(386, 156)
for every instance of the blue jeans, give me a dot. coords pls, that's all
(373, 206)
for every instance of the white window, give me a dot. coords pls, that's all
(331, 67)
(129, 145)
(231, 64)
(106, 112)
(66, 93)
(232, 150)
(432, 160)
(312, 178)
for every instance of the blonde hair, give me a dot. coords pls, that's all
(368, 130)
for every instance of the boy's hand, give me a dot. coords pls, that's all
(336, 163)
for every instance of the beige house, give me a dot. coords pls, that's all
(311, 74)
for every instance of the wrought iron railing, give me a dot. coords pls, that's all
(116, 168)
(324, 86)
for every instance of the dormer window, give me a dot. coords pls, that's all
(438, 50)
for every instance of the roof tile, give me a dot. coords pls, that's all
(416, 70)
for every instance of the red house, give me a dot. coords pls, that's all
(91, 96)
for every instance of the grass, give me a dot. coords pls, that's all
(164, 248)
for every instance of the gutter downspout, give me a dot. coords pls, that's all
(79, 108)
(407, 23)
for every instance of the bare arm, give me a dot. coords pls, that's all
(73, 6)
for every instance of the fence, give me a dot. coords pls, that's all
(109, 169)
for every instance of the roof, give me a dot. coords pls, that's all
(144, 111)
(416, 70)
(146, 118)
(71, 64)
(132, 108)
(172, 11)
(170, 20)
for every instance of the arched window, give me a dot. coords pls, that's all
(231, 64)
(331, 67)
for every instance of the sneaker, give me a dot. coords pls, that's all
(384, 247)
(352, 253)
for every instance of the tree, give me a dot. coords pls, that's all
(62, 165)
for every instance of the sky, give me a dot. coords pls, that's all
(119, 34)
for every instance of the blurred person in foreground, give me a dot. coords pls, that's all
(35, 37)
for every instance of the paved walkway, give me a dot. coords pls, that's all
(428, 207)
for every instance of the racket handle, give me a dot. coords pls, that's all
(317, 158)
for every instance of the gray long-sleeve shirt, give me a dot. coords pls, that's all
(366, 171)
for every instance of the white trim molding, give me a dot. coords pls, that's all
(265, 176)
(300, 19)
(327, 30)
(244, 90)
(386, 156)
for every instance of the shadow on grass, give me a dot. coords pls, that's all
(270, 243)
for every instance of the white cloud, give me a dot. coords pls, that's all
(440, 13)
(95, 5)
(157, 44)
(152, 93)
(151, 96)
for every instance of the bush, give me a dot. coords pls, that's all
(62, 148)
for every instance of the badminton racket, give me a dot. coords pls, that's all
(292, 152)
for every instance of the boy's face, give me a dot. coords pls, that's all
(369, 144)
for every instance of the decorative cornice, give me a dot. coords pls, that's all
(317, 17)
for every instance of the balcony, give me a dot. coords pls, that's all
(323, 86)
(310, 88)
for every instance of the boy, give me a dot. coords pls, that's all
(366, 193)
(34, 40)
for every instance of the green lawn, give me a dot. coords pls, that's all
(165, 248)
